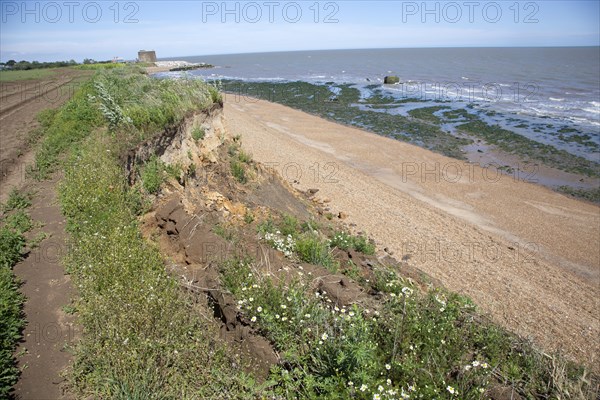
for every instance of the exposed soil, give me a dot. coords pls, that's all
(20, 102)
(43, 352)
(526, 255)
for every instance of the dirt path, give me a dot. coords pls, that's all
(526, 255)
(43, 353)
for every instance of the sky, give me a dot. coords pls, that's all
(101, 30)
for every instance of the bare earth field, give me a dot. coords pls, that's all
(20, 102)
(526, 255)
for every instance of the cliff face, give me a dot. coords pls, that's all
(187, 144)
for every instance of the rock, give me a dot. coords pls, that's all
(503, 393)
(225, 309)
(340, 289)
(390, 80)
(170, 228)
(312, 191)
(163, 213)
(342, 215)
(203, 247)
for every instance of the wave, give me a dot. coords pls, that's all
(592, 110)
(555, 99)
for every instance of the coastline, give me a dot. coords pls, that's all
(520, 250)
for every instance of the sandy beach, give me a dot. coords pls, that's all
(526, 255)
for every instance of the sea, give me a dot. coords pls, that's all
(549, 94)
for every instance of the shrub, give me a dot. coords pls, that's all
(198, 133)
(311, 249)
(153, 174)
(238, 171)
(11, 247)
(19, 221)
(16, 201)
(345, 241)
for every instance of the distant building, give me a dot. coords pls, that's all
(147, 56)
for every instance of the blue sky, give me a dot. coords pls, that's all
(60, 30)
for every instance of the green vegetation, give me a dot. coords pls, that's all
(592, 195)
(313, 249)
(414, 346)
(123, 286)
(522, 146)
(458, 114)
(155, 172)
(102, 66)
(14, 223)
(16, 201)
(345, 241)
(239, 163)
(198, 133)
(238, 171)
(11, 76)
(306, 243)
(106, 99)
(63, 128)
(427, 113)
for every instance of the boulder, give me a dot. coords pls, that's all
(390, 80)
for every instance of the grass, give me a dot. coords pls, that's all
(306, 243)
(12, 76)
(239, 163)
(313, 249)
(16, 201)
(101, 66)
(13, 225)
(153, 175)
(130, 104)
(238, 171)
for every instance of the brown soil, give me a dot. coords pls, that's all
(20, 102)
(43, 352)
(528, 256)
